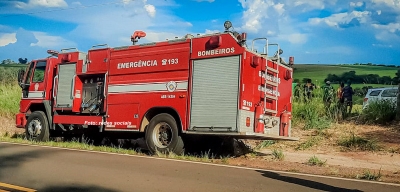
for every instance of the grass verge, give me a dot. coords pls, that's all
(310, 142)
(315, 161)
(368, 175)
(278, 155)
(354, 142)
(10, 96)
(74, 144)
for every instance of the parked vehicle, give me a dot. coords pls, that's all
(163, 91)
(376, 94)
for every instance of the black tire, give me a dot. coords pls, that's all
(171, 142)
(36, 120)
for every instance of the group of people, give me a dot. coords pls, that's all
(344, 94)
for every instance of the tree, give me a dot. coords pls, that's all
(304, 80)
(23, 61)
(7, 62)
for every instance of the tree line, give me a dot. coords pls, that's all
(11, 62)
(363, 79)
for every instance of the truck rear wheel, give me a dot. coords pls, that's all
(162, 135)
(37, 127)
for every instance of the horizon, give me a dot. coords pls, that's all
(314, 32)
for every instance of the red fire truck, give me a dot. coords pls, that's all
(211, 84)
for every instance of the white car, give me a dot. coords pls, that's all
(389, 93)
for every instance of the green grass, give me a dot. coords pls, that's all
(205, 157)
(354, 142)
(278, 155)
(379, 112)
(10, 92)
(315, 161)
(319, 72)
(265, 144)
(10, 95)
(367, 175)
(9, 73)
(310, 142)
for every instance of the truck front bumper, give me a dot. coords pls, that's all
(20, 120)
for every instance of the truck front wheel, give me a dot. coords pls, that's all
(162, 135)
(37, 127)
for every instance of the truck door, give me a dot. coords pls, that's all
(35, 81)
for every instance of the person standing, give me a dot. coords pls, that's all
(328, 94)
(348, 93)
(340, 93)
(308, 90)
(340, 99)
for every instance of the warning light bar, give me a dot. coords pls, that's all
(52, 52)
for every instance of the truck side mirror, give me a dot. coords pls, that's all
(21, 74)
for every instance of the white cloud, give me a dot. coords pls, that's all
(356, 4)
(151, 10)
(41, 3)
(297, 38)
(114, 23)
(395, 4)
(319, 4)
(265, 18)
(208, 31)
(258, 12)
(391, 27)
(279, 8)
(342, 18)
(7, 38)
(126, 1)
(48, 41)
(381, 45)
(162, 36)
(387, 2)
(386, 36)
(76, 3)
(271, 33)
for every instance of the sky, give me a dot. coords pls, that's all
(313, 31)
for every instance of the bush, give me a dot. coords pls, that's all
(312, 113)
(367, 175)
(10, 92)
(315, 161)
(358, 143)
(8, 75)
(278, 154)
(379, 112)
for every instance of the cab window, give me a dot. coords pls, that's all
(38, 73)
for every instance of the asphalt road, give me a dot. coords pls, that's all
(52, 169)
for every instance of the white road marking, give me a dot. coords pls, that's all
(209, 164)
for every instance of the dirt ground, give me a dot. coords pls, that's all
(338, 161)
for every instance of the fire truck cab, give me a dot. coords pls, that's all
(212, 84)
